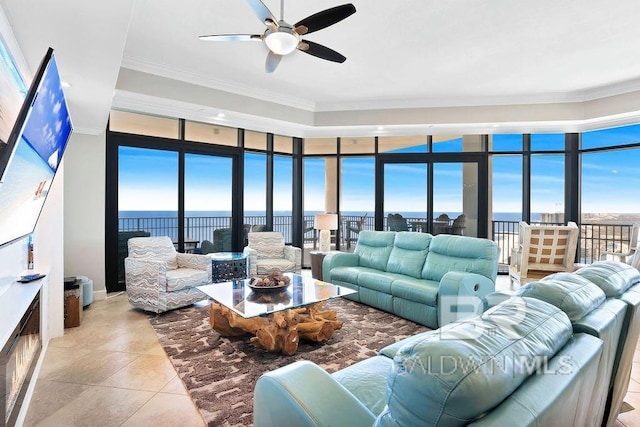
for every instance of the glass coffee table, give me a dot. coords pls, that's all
(278, 318)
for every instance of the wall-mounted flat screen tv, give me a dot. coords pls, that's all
(13, 90)
(33, 152)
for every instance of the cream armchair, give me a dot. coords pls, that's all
(267, 253)
(159, 279)
(543, 249)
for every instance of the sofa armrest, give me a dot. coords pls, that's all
(294, 255)
(338, 259)
(195, 261)
(303, 394)
(461, 295)
(252, 258)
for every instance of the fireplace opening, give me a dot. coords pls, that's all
(17, 362)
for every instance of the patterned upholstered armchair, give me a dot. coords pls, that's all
(159, 279)
(267, 252)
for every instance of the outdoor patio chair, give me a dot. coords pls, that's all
(396, 222)
(267, 253)
(543, 249)
(624, 256)
(352, 230)
(458, 225)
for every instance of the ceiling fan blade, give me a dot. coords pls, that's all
(325, 18)
(263, 13)
(272, 62)
(320, 51)
(231, 37)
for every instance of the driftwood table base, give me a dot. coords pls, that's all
(279, 331)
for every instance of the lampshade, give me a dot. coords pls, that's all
(282, 42)
(326, 222)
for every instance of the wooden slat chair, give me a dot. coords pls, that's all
(543, 249)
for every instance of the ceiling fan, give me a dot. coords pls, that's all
(283, 38)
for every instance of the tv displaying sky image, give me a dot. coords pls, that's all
(13, 90)
(36, 156)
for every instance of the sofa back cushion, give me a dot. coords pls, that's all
(571, 293)
(374, 247)
(614, 278)
(452, 376)
(409, 253)
(460, 253)
(268, 244)
(154, 248)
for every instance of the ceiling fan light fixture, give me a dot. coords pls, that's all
(282, 42)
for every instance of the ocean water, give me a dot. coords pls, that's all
(497, 216)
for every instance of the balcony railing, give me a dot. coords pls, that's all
(594, 238)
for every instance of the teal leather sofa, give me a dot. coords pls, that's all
(613, 291)
(520, 363)
(621, 282)
(431, 280)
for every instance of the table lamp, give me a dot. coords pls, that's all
(324, 223)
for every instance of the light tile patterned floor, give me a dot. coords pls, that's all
(111, 371)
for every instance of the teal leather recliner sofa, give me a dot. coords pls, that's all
(520, 363)
(431, 280)
(559, 352)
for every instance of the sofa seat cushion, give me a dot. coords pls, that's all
(367, 380)
(417, 290)
(456, 374)
(182, 278)
(571, 293)
(614, 278)
(349, 274)
(378, 280)
(268, 266)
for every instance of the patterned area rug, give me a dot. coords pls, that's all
(220, 373)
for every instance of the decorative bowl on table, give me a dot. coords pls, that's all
(273, 282)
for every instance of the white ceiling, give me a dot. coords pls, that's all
(408, 62)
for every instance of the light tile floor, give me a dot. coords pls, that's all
(112, 371)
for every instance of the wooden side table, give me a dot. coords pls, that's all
(316, 263)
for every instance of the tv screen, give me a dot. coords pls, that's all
(34, 148)
(13, 90)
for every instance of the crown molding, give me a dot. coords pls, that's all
(382, 104)
(206, 81)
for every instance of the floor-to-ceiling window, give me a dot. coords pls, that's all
(547, 178)
(506, 191)
(610, 189)
(357, 198)
(147, 197)
(208, 201)
(530, 177)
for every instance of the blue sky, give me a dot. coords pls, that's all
(610, 181)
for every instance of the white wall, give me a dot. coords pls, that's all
(84, 205)
(48, 251)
